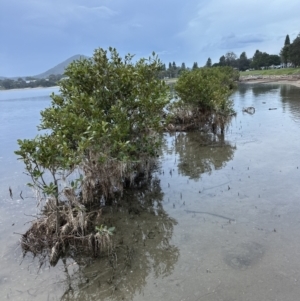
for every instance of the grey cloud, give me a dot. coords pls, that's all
(233, 42)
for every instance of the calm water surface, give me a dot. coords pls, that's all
(222, 219)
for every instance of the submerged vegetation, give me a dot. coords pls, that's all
(101, 135)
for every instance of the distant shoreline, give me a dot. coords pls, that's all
(26, 89)
(293, 80)
(248, 81)
(272, 81)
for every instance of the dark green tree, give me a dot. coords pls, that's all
(230, 59)
(274, 59)
(243, 62)
(208, 63)
(259, 60)
(195, 66)
(287, 40)
(222, 61)
(294, 52)
(285, 51)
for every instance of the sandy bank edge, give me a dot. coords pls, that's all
(295, 83)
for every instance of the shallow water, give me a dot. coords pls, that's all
(220, 220)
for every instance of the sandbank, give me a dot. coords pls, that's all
(293, 80)
(280, 82)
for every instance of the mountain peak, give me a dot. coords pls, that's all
(60, 68)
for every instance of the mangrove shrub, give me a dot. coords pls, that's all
(99, 134)
(203, 98)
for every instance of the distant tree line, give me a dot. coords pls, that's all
(290, 52)
(289, 57)
(30, 82)
(260, 60)
(173, 71)
(230, 59)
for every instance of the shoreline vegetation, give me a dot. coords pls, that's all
(30, 82)
(104, 135)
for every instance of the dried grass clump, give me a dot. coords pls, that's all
(76, 232)
(183, 118)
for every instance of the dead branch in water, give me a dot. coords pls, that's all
(10, 193)
(249, 110)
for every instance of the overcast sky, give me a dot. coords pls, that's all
(38, 34)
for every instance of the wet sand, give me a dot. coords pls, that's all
(289, 81)
(293, 80)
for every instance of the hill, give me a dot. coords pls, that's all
(60, 68)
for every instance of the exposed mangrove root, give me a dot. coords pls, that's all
(41, 239)
(197, 119)
(112, 177)
(75, 232)
(69, 225)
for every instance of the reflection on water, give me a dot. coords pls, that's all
(259, 90)
(200, 153)
(243, 89)
(290, 100)
(142, 246)
(145, 229)
(286, 95)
